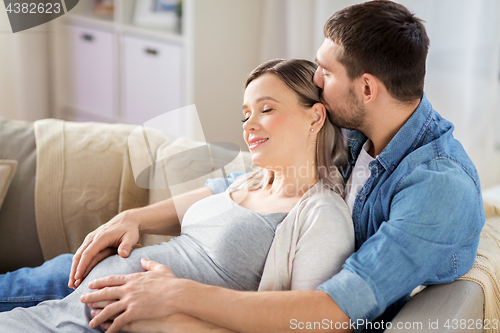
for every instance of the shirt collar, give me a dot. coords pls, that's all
(403, 142)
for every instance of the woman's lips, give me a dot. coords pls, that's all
(257, 143)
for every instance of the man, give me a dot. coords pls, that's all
(414, 194)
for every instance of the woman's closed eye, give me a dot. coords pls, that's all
(248, 117)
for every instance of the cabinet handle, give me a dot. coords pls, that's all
(151, 51)
(88, 37)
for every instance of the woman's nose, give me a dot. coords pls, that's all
(250, 124)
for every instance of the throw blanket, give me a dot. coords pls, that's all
(486, 268)
(83, 179)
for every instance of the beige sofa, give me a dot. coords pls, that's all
(80, 175)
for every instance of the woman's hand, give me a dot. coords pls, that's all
(121, 232)
(137, 296)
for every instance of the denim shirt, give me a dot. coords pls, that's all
(417, 219)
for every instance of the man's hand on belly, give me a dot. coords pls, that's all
(132, 297)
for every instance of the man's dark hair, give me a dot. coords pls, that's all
(384, 39)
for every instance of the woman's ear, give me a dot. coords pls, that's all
(318, 113)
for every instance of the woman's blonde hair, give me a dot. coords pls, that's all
(331, 147)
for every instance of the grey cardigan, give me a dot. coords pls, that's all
(311, 244)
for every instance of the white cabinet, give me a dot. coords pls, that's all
(152, 78)
(109, 69)
(91, 56)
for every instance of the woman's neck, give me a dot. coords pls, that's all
(293, 181)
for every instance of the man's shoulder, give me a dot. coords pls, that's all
(438, 151)
(444, 162)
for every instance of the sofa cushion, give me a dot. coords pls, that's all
(19, 244)
(186, 165)
(7, 170)
(83, 179)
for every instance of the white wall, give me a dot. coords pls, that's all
(24, 72)
(219, 103)
(7, 75)
(462, 80)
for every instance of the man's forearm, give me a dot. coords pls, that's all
(274, 311)
(164, 217)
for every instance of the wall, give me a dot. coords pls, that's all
(24, 72)
(220, 123)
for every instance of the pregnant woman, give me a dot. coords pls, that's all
(293, 198)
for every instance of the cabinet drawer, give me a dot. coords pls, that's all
(152, 81)
(90, 85)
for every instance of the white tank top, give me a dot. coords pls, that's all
(359, 175)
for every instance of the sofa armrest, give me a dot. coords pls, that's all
(442, 308)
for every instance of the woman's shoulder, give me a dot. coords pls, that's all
(322, 205)
(323, 211)
(322, 194)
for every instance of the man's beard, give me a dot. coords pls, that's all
(353, 114)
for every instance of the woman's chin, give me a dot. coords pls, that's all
(265, 163)
(259, 162)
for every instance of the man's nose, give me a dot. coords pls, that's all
(318, 78)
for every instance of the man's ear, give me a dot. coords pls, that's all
(370, 87)
(318, 117)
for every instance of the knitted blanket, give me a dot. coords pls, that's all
(83, 179)
(486, 268)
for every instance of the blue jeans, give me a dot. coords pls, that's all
(29, 286)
